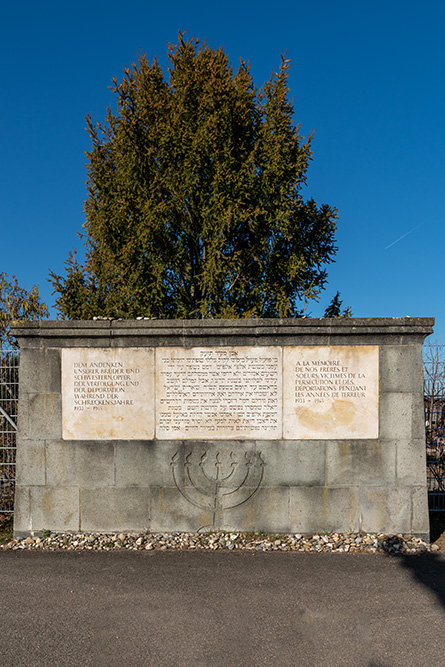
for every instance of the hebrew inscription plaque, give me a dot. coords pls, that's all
(331, 392)
(227, 392)
(107, 394)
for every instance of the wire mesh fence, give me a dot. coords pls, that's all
(434, 398)
(9, 393)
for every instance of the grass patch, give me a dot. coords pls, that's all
(6, 529)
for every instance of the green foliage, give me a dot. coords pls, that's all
(17, 304)
(334, 308)
(194, 205)
(6, 527)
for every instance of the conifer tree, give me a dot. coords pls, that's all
(195, 206)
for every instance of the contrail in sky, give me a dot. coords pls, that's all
(401, 237)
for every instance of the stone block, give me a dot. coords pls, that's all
(420, 524)
(411, 462)
(79, 463)
(314, 509)
(23, 416)
(396, 412)
(385, 509)
(145, 462)
(171, 511)
(266, 510)
(44, 416)
(131, 462)
(293, 462)
(55, 508)
(31, 462)
(40, 370)
(360, 462)
(22, 511)
(114, 509)
(418, 417)
(401, 368)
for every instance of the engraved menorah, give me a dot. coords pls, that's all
(231, 485)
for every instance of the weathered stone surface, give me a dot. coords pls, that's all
(170, 510)
(386, 509)
(79, 463)
(266, 510)
(396, 415)
(411, 462)
(331, 392)
(293, 462)
(55, 508)
(321, 509)
(401, 368)
(43, 416)
(23, 519)
(363, 462)
(419, 511)
(40, 370)
(115, 509)
(30, 463)
(132, 464)
(107, 394)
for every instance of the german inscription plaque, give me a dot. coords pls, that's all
(107, 394)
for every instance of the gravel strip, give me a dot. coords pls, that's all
(334, 542)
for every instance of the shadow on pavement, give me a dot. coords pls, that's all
(429, 570)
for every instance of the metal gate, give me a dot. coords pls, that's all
(434, 399)
(9, 392)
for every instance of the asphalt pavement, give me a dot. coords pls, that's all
(221, 608)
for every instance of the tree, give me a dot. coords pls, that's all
(334, 308)
(17, 304)
(195, 205)
(434, 383)
(434, 402)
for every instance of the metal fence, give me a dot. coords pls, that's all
(9, 393)
(434, 397)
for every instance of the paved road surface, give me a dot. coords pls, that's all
(221, 608)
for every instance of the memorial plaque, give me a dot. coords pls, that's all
(107, 394)
(218, 392)
(331, 392)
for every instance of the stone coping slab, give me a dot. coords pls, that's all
(254, 329)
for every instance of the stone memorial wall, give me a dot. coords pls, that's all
(273, 425)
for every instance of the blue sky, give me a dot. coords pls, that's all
(368, 77)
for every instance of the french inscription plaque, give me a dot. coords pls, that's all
(107, 394)
(331, 392)
(218, 392)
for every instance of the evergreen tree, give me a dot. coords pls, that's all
(334, 308)
(195, 205)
